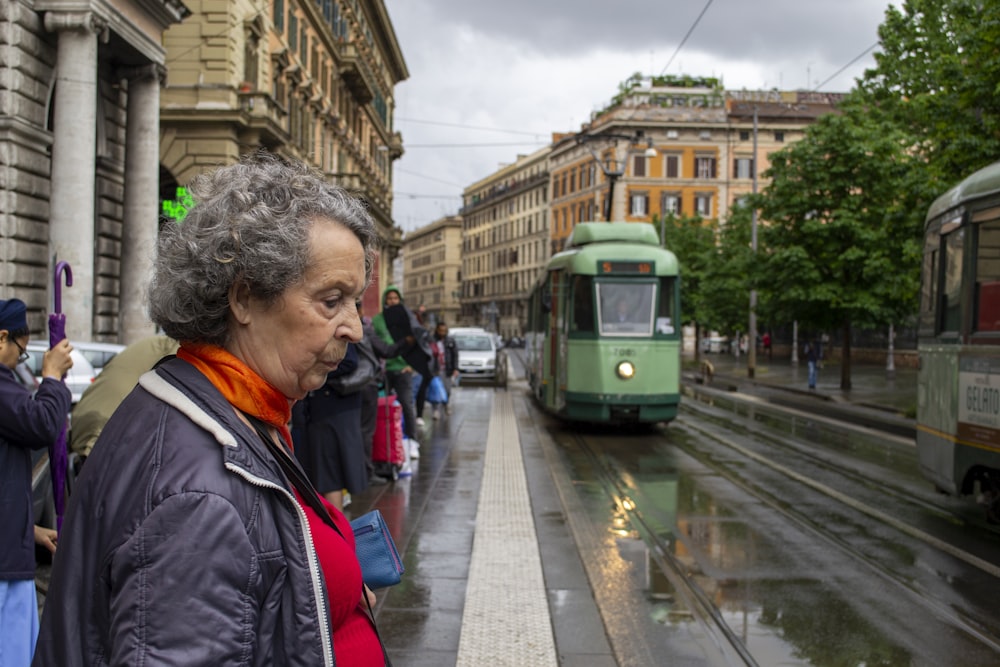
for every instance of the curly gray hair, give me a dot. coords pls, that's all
(250, 223)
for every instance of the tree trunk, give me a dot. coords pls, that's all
(845, 353)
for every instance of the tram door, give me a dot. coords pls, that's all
(555, 352)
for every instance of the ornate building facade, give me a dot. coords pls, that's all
(312, 79)
(79, 96)
(505, 243)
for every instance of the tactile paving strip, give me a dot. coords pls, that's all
(506, 619)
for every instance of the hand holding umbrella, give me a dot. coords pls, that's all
(58, 458)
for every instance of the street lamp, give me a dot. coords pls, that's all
(614, 168)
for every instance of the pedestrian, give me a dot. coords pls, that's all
(398, 372)
(446, 354)
(27, 422)
(110, 388)
(192, 536)
(766, 341)
(373, 350)
(812, 357)
(328, 441)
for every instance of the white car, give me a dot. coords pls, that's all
(77, 379)
(477, 352)
(98, 354)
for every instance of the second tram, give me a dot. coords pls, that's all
(603, 339)
(958, 399)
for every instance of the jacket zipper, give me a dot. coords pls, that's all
(314, 570)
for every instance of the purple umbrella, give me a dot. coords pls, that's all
(58, 458)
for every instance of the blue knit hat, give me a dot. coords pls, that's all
(13, 315)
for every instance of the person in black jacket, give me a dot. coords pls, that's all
(446, 353)
(26, 423)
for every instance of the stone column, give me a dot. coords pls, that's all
(74, 148)
(142, 192)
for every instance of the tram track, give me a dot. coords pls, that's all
(729, 645)
(966, 622)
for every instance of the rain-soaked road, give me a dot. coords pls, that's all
(745, 533)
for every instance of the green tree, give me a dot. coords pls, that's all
(728, 276)
(692, 240)
(840, 247)
(938, 79)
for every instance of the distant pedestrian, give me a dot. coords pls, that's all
(446, 353)
(766, 340)
(811, 353)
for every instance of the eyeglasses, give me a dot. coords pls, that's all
(24, 356)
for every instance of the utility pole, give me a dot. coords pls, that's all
(752, 347)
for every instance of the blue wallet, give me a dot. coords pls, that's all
(380, 562)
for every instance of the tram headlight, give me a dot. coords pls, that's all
(625, 370)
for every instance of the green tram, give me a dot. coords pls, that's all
(958, 399)
(603, 339)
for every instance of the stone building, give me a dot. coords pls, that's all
(505, 243)
(432, 259)
(96, 140)
(312, 79)
(79, 95)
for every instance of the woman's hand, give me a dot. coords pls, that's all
(46, 537)
(56, 361)
(371, 596)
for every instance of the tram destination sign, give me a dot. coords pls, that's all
(979, 400)
(618, 267)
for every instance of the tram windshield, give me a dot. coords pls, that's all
(626, 308)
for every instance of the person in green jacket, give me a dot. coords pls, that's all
(398, 373)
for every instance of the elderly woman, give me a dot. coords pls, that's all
(191, 538)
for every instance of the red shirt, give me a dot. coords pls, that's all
(354, 638)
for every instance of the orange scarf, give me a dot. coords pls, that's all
(247, 391)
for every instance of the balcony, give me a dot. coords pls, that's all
(356, 74)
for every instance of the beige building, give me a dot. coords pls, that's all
(432, 270)
(80, 88)
(505, 243)
(680, 146)
(313, 80)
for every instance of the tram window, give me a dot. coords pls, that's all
(951, 292)
(987, 297)
(928, 285)
(583, 303)
(626, 308)
(665, 315)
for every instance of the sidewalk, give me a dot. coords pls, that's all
(871, 385)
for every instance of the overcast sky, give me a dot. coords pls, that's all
(490, 80)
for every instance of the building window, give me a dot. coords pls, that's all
(744, 135)
(703, 205)
(293, 31)
(779, 137)
(671, 203)
(673, 166)
(639, 165)
(704, 167)
(279, 15)
(639, 204)
(743, 167)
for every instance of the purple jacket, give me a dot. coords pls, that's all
(182, 544)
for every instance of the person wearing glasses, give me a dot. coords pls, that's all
(27, 422)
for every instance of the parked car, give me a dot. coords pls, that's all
(477, 352)
(715, 344)
(98, 354)
(77, 379)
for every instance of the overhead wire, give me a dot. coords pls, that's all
(690, 30)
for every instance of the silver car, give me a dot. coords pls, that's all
(77, 379)
(477, 352)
